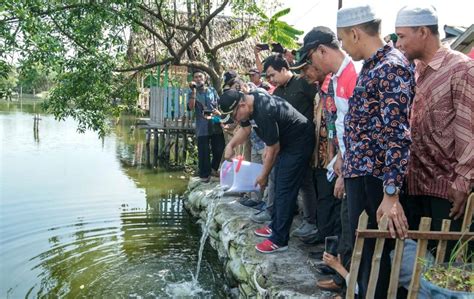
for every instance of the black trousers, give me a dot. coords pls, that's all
(366, 193)
(206, 145)
(290, 168)
(327, 206)
(437, 209)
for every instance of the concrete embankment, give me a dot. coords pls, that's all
(285, 274)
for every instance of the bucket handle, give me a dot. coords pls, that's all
(240, 158)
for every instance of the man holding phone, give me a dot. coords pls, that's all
(210, 138)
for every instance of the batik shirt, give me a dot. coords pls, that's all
(377, 132)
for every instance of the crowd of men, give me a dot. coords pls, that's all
(394, 140)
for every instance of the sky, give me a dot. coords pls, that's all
(306, 14)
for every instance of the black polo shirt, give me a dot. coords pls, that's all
(277, 121)
(300, 94)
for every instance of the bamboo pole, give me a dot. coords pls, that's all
(376, 258)
(425, 225)
(395, 272)
(356, 257)
(441, 251)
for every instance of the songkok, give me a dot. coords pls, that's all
(411, 16)
(352, 16)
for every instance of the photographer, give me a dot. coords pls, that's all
(203, 100)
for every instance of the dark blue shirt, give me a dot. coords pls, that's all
(377, 131)
(206, 99)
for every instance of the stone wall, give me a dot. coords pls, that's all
(283, 274)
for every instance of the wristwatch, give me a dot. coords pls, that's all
(391, 190)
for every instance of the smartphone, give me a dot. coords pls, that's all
(331, 244)
(277, 48)
(207, 112)
(263, 46)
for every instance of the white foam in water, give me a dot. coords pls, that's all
(185, 289)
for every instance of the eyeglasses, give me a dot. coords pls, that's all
(308, 57)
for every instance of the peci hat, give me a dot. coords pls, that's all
(415, 16)
(355, 15)
(320, 35)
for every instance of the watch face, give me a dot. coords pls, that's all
(390, 190)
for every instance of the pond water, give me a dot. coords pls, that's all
(82, 217)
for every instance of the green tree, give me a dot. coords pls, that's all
(8, 80)
(276, 30)
(86, 43)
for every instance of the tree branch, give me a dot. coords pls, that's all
(230, 42)
(203, 27)
(159, 16)
(49, 11)
(146, 66)
(72, 38)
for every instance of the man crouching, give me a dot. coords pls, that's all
(289, 137)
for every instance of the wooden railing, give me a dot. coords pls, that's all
(422, 235)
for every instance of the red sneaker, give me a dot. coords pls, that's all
(268, 246)
(263, 232)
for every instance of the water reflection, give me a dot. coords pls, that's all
(83, 217)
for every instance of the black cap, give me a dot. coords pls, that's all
(320, 35)
(300, 62)
(229, 100)
(228, 76)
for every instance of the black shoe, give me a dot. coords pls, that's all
(325, 270)
(317, 255)
(248, 202)
(312, 239)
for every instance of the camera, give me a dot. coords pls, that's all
(192, 85)
(207, 112)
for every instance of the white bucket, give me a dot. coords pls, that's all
(245, 176)
(227, 175)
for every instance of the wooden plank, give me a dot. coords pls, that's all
(441, 250)
(376, 258)
(467, 221)
(395, 272)
(425, 225)
(356, 256)
(428, 235)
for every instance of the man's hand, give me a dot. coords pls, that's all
(257, 49)
(338, 165)
(339, 187)
(458, 200)
(228, 153)
(397, 222)
(261, 180)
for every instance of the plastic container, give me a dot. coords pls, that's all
(430, 290)
(245, 175)
(227, 174)
(242, 174)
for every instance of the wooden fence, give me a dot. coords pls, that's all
(422, 235)
(168, 108)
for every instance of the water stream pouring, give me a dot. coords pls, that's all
(192, 288)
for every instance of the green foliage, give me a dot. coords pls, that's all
(7, 80)
(84, 44)
(279, 31)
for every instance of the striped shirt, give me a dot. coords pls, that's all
(442, 125)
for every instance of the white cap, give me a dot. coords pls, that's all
(351, 16)
(414, 16)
